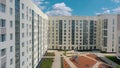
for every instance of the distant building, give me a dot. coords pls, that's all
(84, 32)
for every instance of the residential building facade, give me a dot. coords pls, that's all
(83, 32)
(118, 37)
(23, 34)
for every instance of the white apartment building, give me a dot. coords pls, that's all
(118, 38)
(23, 34)
(72, 32)
(7, 34)
(83, 32)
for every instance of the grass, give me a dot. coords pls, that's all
(46, 63)
(64, 53)
(50, 54)
(114, 59)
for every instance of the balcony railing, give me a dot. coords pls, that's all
(2, 30)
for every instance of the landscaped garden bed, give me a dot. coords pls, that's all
(50, 54)
(46, 63)
(114, 59)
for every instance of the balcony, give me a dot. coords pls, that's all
(2, 30)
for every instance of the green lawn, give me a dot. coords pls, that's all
(46, 63)
(114, 59)
(50, 54)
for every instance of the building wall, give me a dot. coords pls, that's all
(86, 33)
(73, 32)
(118, 37)
(7, 34)
(36, 36)
(108, 31)
(25, 40)
(25, 33)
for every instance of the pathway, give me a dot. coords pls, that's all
(57, 60)
(106, 60)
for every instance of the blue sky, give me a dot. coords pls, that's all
(78, 7)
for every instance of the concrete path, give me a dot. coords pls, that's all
(96, 65)
(57, 60)
(69, 62)
(113, 64)
(48, 57)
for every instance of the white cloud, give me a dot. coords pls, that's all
(41, 3)
(116, 10)
(60, 9)
(97, 13)
(104, 8)
(116, 1)
(104, 12)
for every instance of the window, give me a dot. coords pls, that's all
(11, 61)
(22, 53)
(22, 15)
(11, 48)
(11, 1)
(23, 44)
(22, 35)
(105, 23)
(22, 6)
(3, 36)
(105, 32)
(119, 40)
(22, 25)
(3, 52)
(2, 22)
(3, 63)
(2, 7)
(11, 36)
(22, 63)
(11, 11)
(11, 24)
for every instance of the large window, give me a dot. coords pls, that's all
(3, 52)
(2, 7)
(3, 36)
(105, 23)
(11, 48)
(105, 41)
(11, 36)
(2, 22)
(11, 61)
(11, 11)
(22, 6)
(11, 24)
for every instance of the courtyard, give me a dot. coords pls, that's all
(74, 59)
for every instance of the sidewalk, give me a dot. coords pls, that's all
(57, 60)
(69, 62)
(106, 60)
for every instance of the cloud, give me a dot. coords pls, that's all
(104, 8)
(105, 11)
(116, 10)
(41, 3)
(60, 9)
(97, 13)
(116, 1)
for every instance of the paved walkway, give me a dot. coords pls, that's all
(113, 64)
(48, 57)
(57, 60)
(69, 62)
